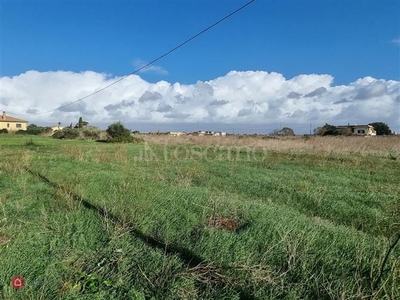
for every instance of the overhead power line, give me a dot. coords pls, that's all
(148, 64)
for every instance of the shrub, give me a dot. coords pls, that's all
(118, 130)
(58, 134)
(117, 133)
(327, 129)
(33, 129)
(66, 133)
(4, 130)
(30, 143)
(285, 131)
(91, 133)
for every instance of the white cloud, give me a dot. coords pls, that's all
(252, 98)
(372, 89)
(396, 41)
(138, 63)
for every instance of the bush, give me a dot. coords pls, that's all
(117, 133)
(34, 130)
(91, 133)
(3, 131)
(285, 131)
(327, 129)
(118, 130)
(30, 143)
(66, 133)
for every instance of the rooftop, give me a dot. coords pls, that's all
(5, 118)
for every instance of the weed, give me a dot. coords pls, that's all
(30, 143)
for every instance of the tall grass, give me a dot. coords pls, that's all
(133, 221)
(379, 145)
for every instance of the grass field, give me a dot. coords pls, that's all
(187, 218)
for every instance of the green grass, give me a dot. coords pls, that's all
(130, 222)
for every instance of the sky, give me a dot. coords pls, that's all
(275, 63)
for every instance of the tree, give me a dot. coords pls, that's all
(327, 129)
(81, 123)
(274, 132)
(285, 131)
(381, 128)
(33, 129)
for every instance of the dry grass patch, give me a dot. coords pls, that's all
(223, 223)
(387, 146)
(4, 240)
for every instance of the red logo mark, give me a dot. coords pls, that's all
(17, 282)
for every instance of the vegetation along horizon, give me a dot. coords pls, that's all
(111, 215)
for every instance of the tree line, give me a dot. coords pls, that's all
(328, 129)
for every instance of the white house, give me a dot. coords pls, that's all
(367, 130)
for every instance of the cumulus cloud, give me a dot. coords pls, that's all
(177, 115)
(371, 90)
(149, 96)
(78, 106)
(119, 105)
(244, 112)
(32, 111)
(138, 63)
(218, 102)
(294, 95)
(251, 98)
(317, 92)
(343, 100)
(163, 107)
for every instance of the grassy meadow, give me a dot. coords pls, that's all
(200, 218)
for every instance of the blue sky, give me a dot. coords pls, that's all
(348, 40)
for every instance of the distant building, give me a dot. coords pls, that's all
(11, 123)
(219, 133)
(198, 133)
(176, 133)
(56, 127)
(207, 133)
(367, 130)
